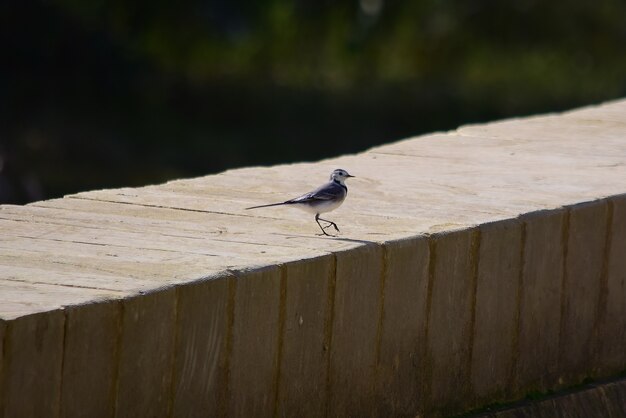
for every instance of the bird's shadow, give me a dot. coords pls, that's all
(333, 237)
(360, 241)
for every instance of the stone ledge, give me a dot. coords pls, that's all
(473, 266)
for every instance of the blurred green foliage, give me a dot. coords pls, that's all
(109, 93)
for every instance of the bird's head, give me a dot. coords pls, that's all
(339, 175)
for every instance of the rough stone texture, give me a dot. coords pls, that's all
(402, 337)
(305, 354)
(357, 306)
(31, 373)
(615, 395)
(200, 365)
(586, 403)
(130, 244)
(586, 237)
(253, 362)
(495, 326)
(540, 301)
(611, 337)
(144, 376)
(449, 329)
(90, 359)
(541, 409)
(604, 400)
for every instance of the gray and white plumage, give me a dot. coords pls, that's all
(324, 199)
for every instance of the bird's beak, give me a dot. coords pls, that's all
(350, 175)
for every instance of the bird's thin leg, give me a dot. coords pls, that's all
(329, 223)
(317, 217)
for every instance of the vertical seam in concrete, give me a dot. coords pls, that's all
(173, 374)
(328, 331)
(64, 344)
(564, 283)
(117, 356)
(282, 311)
(476, 237)
(513, 372)
(381, 303)
(230, 321)
(604, 285)
(427, 372)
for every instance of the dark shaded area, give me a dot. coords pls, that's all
(104, 94)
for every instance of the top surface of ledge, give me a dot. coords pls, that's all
(113, 243)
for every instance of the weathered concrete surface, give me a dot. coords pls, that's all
(255, 343)
(452, 284)
(146, 355)
(582, 277)
(3, 328)
(31, 373)
(402, 336)
(497, 309)
(200, 365)
(356, 309)
(89, 386)
(302, 388)
(473, 266)
(611, 332)
(540, 301)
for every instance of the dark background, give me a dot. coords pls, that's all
(114, 93)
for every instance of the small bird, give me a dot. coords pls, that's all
(321, 200)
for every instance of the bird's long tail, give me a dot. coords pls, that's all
(265, 206)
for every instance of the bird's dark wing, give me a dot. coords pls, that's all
(328, 191)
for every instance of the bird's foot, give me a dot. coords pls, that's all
(325, 234)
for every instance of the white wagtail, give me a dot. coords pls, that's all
(321, 200)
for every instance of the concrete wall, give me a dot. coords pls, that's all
(408, 323)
